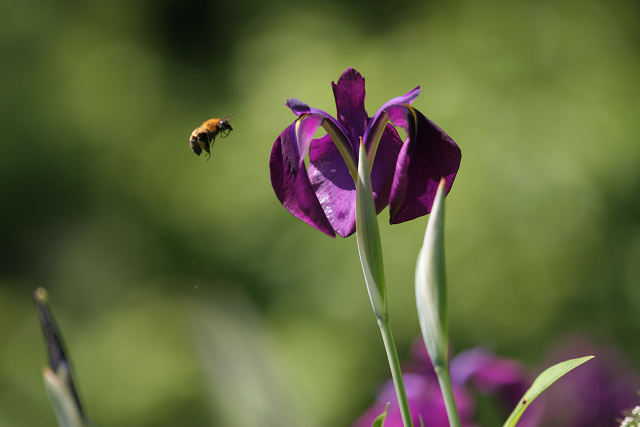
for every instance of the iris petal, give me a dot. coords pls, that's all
(289, 176)
(374, 130)
(427, 155)
(349, 94)
(334, 128)
(384, 166)
(333, 185)
(404, 99)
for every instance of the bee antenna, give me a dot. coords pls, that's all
(228, 117)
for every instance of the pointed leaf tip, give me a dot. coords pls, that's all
(541, 383)
(41, 296)
(379, 421)
(57, 376)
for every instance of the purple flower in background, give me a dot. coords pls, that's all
(404, 175)
(425, 401)
(490, 374)
(475, 369)
(594, 395)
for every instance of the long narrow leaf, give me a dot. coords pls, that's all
(62, 399)
(368, 238)
(541, 383)
(57, 377)
(431, 286)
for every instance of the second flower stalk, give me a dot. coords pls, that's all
(431, 296)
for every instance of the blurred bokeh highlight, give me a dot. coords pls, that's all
(188, 296)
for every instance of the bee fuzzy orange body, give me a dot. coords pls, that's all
(202, 137)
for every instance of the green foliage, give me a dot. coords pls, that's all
(368, 238)
(57, 376)
(379, 421)
(431, 286)
(541, 383)
(62, 400)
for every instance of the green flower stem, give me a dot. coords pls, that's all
(447, 393)
(396, 373)
(370, 251)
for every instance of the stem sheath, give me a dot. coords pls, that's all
(396, 372)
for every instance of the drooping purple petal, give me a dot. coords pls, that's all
(427, 155)
(385, 113)
(289, 176)
(349, 95)
(333, 185)
(383, 146)
(297, 107)
(334, 128)
(384, 166)
(406, 99)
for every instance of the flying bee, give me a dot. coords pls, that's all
(202, 138)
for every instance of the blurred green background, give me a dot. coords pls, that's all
(189, 296)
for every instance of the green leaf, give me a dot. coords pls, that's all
(431, 285)
(64, 403)
(57, 377)
(541, 383)
(379, 421)
(368, 238)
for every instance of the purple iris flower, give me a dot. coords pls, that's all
(404, 175)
